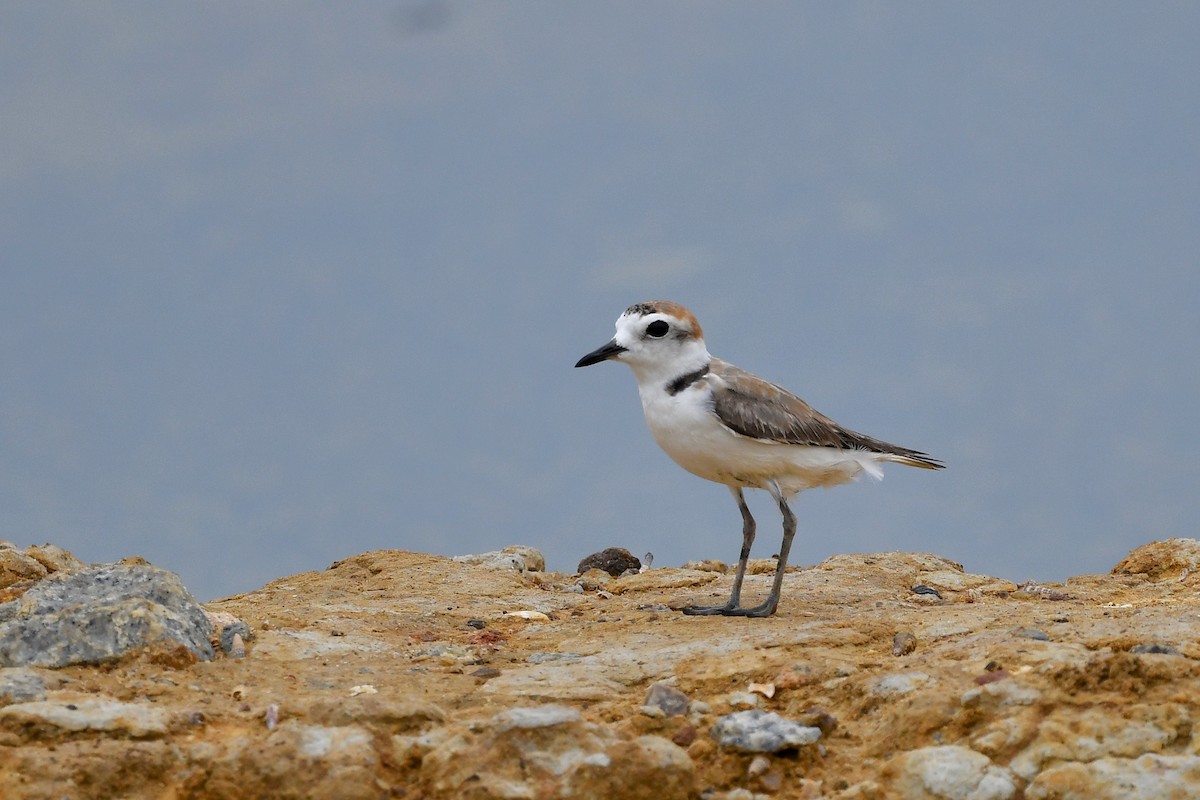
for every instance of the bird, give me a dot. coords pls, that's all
(731, 427)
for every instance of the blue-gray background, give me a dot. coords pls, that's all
(283, 282)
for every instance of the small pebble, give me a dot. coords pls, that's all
(670, 700)
(991, 677)
(773, 781)
(232, 629)
(237, 648)
(685, 735)
(903, 643)
(477, 624)
(792, 677)
(765, 689)
(1031, 633)
(1155, 648)
(819, 717)
(923, 589)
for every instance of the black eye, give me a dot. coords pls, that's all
(657, 329)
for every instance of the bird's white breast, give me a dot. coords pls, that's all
(688, 429)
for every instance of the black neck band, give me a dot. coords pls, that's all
(684, 381)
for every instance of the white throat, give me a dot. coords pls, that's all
(656, 373)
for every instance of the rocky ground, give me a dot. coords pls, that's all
(397, 674)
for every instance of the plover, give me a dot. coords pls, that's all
(731, 427)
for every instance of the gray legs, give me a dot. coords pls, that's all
(733, 608)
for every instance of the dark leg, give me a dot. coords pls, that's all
(747, 539)
(789, 531)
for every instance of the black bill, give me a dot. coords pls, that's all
(610, 350)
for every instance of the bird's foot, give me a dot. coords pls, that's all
(765, 610)
(707, 611)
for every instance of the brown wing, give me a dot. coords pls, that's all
(761, 410)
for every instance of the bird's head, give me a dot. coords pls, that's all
(659, 340)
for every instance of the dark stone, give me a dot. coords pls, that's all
(614, 561)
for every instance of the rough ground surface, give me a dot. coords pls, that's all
(396, 674)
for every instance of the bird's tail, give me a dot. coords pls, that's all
(912, 458)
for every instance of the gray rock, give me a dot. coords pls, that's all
(671, 701)
(758, 731)
(544, 658)
(950, 772)
(98, 614)
(19, 685)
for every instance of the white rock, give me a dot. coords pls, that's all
(78, 714)
(758, 731)
(518, 558)
(544, 716)
(1007, 692)
(949, 772)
